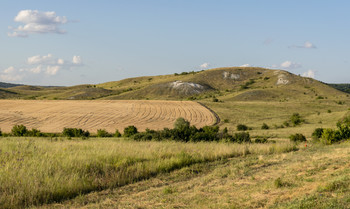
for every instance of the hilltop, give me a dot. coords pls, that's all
(234, 83)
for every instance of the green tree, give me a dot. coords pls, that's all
(130, 130)
(19, 130)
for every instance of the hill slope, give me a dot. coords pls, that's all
(234, 83)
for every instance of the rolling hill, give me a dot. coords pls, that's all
(234, 83)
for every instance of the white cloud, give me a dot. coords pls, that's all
(9, 70)
(306, 45)
(52, 70)
(204, 65)
(11, 78)
(38, 66)
(246, 65)
(39, 59)
(290, 65)
(309, 45)
(37, 22)
(77, 60)
(10, 75)
(60, 61)
(309, 73)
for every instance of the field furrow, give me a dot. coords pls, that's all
(53, 116)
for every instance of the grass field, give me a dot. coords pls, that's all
(52, 116)
(313, 177)
(41, 170)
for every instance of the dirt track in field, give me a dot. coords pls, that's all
(53, 116)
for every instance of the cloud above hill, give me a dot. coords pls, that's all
(39, 65)
(37, 22)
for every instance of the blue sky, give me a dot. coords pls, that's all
(75, 42)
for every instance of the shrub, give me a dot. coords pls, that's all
(296, 119)
(226, 121)
(181, 123)
(317, 134)
(215, 100)
(286, 124)
(75, 132)
(241, 137)
(329, 136)
(0, 133)
(19, 130)
(242, 127)
(297, 138)
(265, 126)
(130, 130)
(117, 133)
(261, 140)
(103, 133)
(34, 133)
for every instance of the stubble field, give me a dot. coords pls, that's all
(53, 116)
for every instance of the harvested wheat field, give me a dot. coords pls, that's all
(53, 116)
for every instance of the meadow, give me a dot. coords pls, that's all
(35, 171)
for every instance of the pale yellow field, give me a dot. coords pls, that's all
(53, 116)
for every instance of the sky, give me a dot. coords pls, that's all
(61, 42)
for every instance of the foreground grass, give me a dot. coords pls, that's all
(313, 177)
(35, 171)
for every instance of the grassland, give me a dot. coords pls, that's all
(313, 177)
(120, 173)
(38, 170)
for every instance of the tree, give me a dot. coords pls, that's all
(181, 123)
(130, 130)
(19, 130)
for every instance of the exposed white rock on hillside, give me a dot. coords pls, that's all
(187, 87)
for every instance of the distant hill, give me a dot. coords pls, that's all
(345, 87)
(230, 83)
(8, 85)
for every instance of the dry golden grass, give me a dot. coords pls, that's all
(313, 177)
(53, 116)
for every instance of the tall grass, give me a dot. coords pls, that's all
(37, 171)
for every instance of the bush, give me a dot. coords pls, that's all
(103, 133)
(330, 136)
(242, 127)
(241, 137)
(297, 138)
(19, 130)
(265, 126)
(0, 133)
(34, 133)
(181, 123)
(261, 140)
(296, 119)
(75, 132)
(317, 134)
(130, 130)
(117, 133)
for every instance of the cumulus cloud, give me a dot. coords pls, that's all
(306, 45)
(10, 75)
(60, 61)
(76, 60)
(246, 65)
(52, 70)
(289, 65)
(39, 59)
(309, 73)
(204, 65)
(38, 22)
(39, 65)
(9, 70)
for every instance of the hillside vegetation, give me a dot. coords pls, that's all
(240, 83)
